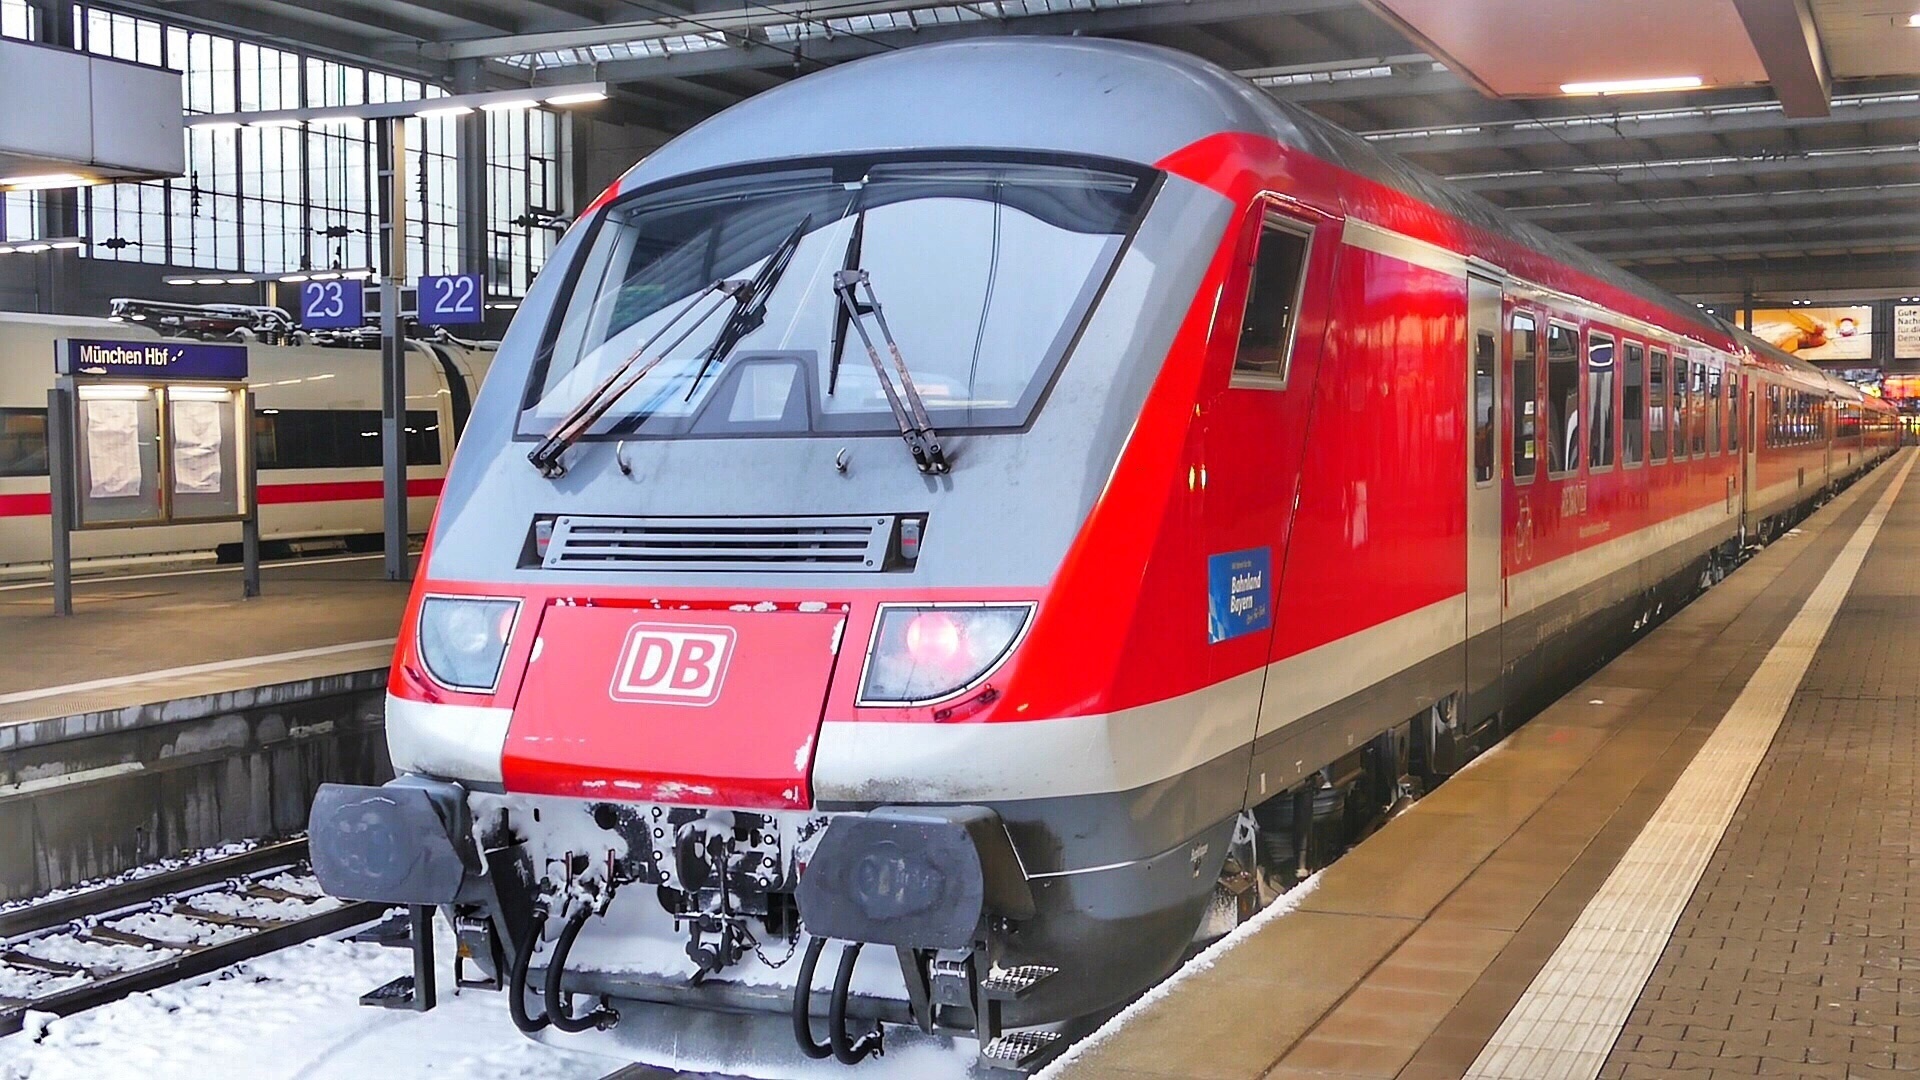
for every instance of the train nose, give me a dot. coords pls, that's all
(700, 708)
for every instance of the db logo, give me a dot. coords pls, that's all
(672, 665)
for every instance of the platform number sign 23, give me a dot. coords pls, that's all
(331, 305)
(448, 299)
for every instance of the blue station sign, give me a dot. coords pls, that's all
(332, 305)
(449, 299)
(150, 359)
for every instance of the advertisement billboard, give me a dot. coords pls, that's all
(1906, 331)
(1812, 333)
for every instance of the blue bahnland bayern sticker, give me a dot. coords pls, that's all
(1239, 593)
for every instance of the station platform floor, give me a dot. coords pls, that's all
(141, 638)
(1702, 862)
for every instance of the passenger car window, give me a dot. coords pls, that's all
(1600, 404)
(1657, 407)
(1697, 398)
(1273, 298)
(23, 442)
(1483, 406)
(1716, 407)
(1563, 400)
(1682, 407)
(1633, 403)
(1526, 405)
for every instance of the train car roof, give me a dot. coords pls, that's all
(1114, 99)
(1772, 357)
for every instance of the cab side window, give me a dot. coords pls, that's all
(1273, 303)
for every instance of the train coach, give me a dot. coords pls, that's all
(1005, 545)
(316, 441)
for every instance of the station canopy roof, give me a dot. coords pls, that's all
(1784, 160)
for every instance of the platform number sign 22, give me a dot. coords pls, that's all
(448, 299)
(331, 305)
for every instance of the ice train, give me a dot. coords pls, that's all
(1020, 538)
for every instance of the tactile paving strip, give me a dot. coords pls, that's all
(1573, 1011)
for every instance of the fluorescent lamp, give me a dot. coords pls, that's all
(357, 275)
(210, 281)
(279, 123)
(240, 281)
(1632, 86)
(114, 392)
(30, 182)
(335, 119)
(180, 281)
(326, 276)
(577, 99)
(216, 125)
(197, 393)
(444, 111)
(293, 277)
(6, 249)
(1911, 21)
(68, 245)
(33, 248)
(509, 105)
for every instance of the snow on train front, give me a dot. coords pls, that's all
(743, 585)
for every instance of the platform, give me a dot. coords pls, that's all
(1701, 862)
(168, 714)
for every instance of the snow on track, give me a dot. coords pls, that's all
(293, 1015)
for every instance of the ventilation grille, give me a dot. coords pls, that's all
(838, 544)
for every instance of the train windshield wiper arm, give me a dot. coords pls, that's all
(749, 311)
(915, 428)
(588, 411)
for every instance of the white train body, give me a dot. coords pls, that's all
(316, 435)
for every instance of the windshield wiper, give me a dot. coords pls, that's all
(915, 428)
(589, 409)
(749, 311)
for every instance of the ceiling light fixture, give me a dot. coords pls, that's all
(445, 111)
(38, 181)
(577, 99)
(509, 105)
(1632, 86)
(1911, 22)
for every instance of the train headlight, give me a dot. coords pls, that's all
(462, 641)
(923, 654)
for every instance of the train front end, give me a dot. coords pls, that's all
(742, 627)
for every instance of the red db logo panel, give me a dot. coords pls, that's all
(672, 665)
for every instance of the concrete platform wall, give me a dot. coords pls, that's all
(95, 794)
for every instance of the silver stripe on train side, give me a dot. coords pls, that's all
(454, 742)
(1547, 582)
(1304, 683)
(1367, 236)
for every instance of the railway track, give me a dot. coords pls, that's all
(98, 945)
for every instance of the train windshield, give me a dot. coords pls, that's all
(986, 270)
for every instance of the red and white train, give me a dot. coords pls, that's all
(1020, 538)
(316, 437)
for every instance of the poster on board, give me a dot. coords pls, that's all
(196, 447)
(1812, 333)
(113, 449)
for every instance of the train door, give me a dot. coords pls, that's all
(1750, 454)
(1483, 697)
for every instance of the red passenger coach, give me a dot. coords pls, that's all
(1022, 542)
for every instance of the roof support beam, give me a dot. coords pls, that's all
(1434, 80)
(1788, 226)
(1783, 277)
(1733, 202)
(1703, 169)
(825, 50)
(1778, 247)
(758, 16)
(1651, 124)
(1784, 35)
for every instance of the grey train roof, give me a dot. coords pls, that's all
(1114, 99)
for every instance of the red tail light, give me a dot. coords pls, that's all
(933, 637)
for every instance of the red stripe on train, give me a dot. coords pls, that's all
(39, 504)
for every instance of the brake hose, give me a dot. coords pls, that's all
(848, 1051)
(517, 979)
(803, 1002)
(557, 1013)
